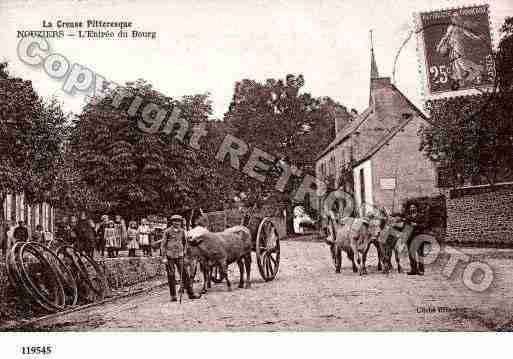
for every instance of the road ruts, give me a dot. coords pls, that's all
(308, 295)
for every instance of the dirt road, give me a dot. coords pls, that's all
(308, 295)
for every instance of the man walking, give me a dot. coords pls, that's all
(172, 250)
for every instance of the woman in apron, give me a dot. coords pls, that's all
(110, 239)
(144, 237)
(132, 237)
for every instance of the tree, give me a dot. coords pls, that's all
(139, 173)
(31, 132)
(49, 131)
(71, 192)
(473, 136)
(278, 118)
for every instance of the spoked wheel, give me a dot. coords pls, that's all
(63, 271)
(86, 272)
(216, 275)
(40, 279)
(268, 249)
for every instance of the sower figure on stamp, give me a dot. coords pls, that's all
(172, 250)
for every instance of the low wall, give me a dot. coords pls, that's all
(124, 272)
(121, 273)
(480, 215)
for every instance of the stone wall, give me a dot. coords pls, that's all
(121, 273)
(480, 215)
(124, 272)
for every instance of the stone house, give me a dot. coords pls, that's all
(378, 151)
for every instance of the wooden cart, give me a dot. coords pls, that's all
(267, 226)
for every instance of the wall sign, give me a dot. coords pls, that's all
(387, 183)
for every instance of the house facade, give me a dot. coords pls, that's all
(379, 152)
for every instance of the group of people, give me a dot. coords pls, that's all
(110, 235)
(113, 235)
(20, 233)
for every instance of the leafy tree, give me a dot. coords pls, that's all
(45, 149)
(31, 132)
(136, 172)
(71, 192)
(473, 136)
(278, 118)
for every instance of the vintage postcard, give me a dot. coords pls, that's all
(255, 166)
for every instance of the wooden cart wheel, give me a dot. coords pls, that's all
(216, 275)
(40, 279)
(86, 271)
(63, 271)
(268, 249)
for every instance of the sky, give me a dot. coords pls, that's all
(206, 46)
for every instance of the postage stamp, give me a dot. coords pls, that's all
(455, 51)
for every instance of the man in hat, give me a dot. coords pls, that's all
(172, 249)
(415, 249)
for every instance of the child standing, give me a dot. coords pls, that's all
(110, 239)
(144, 237)
(132, 237)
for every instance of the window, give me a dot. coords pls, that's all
(323, 170)
(331, 169)
(362, 190)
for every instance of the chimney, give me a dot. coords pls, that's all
(380, 82)
(342, 119)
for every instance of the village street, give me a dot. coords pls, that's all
(308, 295)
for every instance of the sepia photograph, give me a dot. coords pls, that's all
(328, 166)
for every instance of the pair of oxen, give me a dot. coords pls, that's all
(354, 236)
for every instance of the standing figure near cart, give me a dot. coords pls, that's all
(119, 224)
(110, 239)
(144, 237)
(100, 234)
(132, 234)
(72, 236)
(64, 231)
(21, 232)
(86, 236)
(415, 249)
(172, 249)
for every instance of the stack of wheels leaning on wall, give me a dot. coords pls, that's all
(54, 280)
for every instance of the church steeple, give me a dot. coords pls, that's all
(374, 74)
